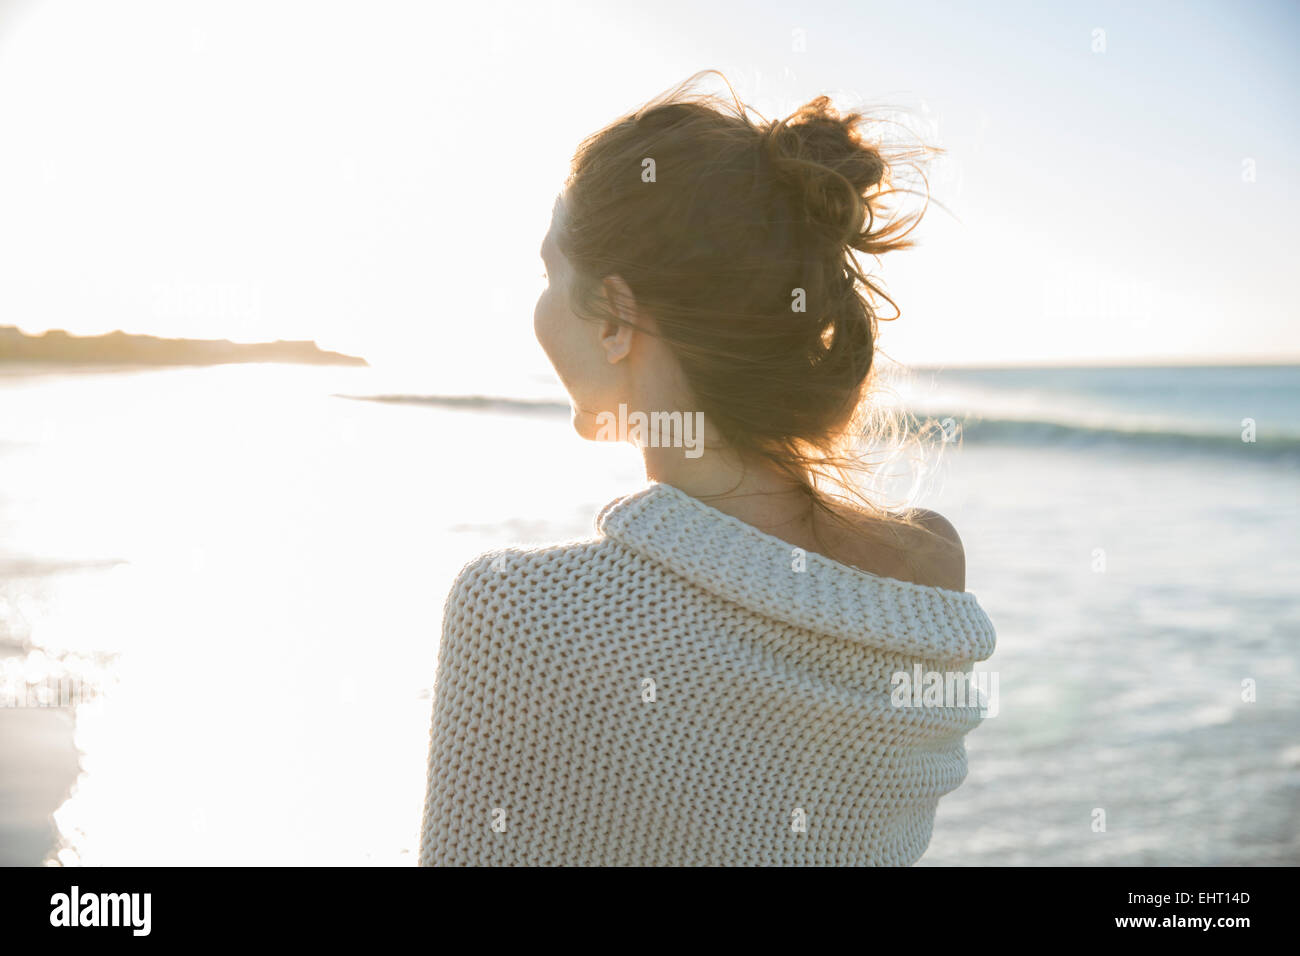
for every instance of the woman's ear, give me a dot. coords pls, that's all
(618, 337)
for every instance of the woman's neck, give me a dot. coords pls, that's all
(744, 487)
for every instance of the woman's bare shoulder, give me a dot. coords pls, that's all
(919, 546)
(940, 554)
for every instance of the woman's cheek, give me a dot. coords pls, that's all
(539, 320)
(548, 326)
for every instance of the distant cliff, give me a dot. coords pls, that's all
(121, 348)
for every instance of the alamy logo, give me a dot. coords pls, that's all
(920, 688)
(102, 909)
(655, 430)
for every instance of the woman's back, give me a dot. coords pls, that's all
(685, 689)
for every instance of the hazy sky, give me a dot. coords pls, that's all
(378, 176)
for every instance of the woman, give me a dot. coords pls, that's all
(713, 677)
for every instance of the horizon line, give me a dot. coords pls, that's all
(1144, 362)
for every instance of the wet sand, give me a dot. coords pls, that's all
(39, 767)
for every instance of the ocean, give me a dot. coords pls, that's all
(240, 570)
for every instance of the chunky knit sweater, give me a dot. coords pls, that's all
(684, 689)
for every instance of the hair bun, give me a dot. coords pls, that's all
(823, 154)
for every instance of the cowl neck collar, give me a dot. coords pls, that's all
(749, 567)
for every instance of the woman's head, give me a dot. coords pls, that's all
(702, 261)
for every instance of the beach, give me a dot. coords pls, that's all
(246, 566)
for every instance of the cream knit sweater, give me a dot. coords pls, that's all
(686, 689)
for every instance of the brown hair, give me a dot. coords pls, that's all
(740, 219)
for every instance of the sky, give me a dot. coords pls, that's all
(1121, 182)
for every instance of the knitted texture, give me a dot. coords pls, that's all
(675, 691)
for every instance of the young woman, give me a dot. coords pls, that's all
(713, 677)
